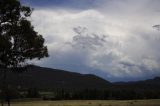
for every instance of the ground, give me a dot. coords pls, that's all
(155, 102)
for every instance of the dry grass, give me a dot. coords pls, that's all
(90, 103)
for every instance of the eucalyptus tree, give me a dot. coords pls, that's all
(19, 42)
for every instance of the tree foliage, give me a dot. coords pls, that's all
(19, 41)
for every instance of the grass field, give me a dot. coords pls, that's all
(90, 103)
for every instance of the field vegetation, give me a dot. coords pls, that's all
(151, 102)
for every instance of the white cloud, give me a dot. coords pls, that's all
(117, 39)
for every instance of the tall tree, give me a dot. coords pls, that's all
(19, 42)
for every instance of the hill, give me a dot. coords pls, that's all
(47, 78)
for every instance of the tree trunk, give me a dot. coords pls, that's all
(8, 102)
(3, 86)
(8, 97)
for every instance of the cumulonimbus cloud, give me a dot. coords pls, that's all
(114, 44)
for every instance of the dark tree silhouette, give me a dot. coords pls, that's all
(19, 42)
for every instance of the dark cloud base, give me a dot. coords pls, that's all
(76, 4)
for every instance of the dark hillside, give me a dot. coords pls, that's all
(42, 78)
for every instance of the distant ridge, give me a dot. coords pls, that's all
(153, 83)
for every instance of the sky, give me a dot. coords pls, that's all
(118, 40)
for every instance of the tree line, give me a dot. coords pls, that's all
(111, 93)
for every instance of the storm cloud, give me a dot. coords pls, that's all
(115, 39)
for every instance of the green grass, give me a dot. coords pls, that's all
(155, 102)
